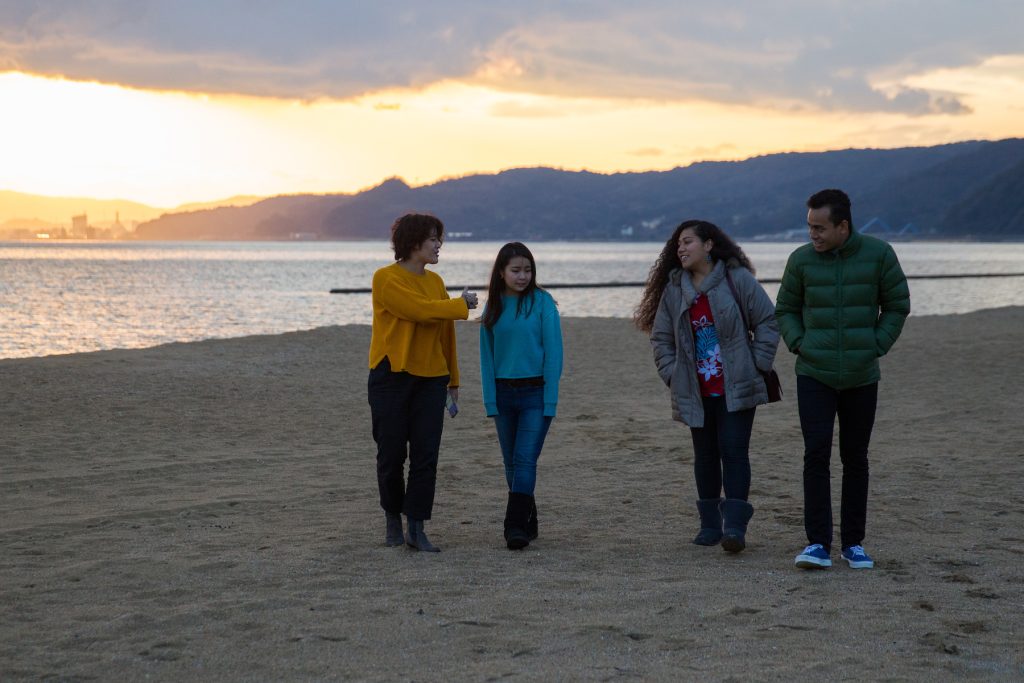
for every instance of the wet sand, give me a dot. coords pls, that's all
(208, 511)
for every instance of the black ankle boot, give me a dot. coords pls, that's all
(531, 524)
(393, 536)
(517, 516)
(736, 514)
(710, 521)
(417, 537)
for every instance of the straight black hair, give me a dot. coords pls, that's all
(496, 287)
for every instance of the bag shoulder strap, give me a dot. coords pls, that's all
(739, 302)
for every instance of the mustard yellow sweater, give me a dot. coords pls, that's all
(414, 323)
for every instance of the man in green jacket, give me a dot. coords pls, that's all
(841, 306)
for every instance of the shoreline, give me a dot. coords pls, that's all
(208, 510)
(367, 326)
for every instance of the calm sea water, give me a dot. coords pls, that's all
(65, 297)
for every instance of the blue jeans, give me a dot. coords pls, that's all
(522, 427)
(721, 451)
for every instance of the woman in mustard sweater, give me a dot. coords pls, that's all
(413, 365)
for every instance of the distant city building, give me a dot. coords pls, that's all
(80, 228)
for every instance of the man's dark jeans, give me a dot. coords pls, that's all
(819, 404)
(408, 416)
(721, 451)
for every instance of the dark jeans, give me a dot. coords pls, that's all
(408, 416)
(819, 404)
(522, 428)
(721, 451)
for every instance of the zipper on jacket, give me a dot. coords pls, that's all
(839, 315)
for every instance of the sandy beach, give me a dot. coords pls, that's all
(208, 511)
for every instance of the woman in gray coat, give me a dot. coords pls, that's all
(691, 308)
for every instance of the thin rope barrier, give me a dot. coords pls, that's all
(609, 285)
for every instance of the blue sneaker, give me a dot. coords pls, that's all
(857, 558)
(814, 556)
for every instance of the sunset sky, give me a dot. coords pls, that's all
(172, 102)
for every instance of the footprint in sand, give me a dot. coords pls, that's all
(968, 627)
(163, 652)
(957, 577)
(943, 642)
(736, 611)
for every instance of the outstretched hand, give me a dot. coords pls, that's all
(470, 298)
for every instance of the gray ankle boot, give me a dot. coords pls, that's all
(736, 514)
(417, 538)
(710, 521)
(393, 537)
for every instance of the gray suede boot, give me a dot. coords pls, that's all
(393, 536)
(416, 537)
(710, 521)
(736, 514)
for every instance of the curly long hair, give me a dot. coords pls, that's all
(496, 286)
(722, 249)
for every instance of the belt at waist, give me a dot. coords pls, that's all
(520, 381)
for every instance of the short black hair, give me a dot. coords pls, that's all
(838, 204)
(411, 230)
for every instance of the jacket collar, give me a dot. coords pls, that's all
(850, 246)
(681, 277)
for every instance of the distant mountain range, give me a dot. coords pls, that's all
(956, 190)
(967, 189)
(18, 208)
(30, 211)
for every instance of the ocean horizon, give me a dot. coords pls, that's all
(71, 296)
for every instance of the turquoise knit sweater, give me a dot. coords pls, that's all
(527, 345)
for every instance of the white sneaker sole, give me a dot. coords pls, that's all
(807, 562)
(862, 564)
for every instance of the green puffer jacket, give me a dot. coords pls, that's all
(841, 311)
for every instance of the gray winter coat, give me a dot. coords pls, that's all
(672, 339)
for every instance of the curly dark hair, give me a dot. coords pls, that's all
(412, 230)
(722, 249)
(496, 287)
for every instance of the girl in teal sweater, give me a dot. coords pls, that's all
(520, 365)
